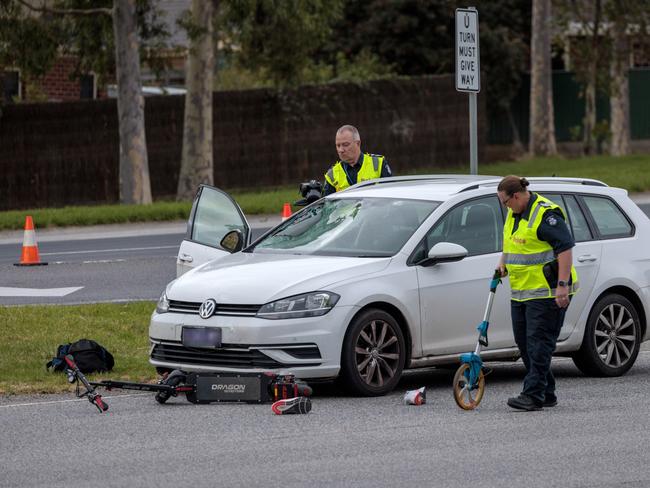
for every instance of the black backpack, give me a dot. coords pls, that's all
(89, 356)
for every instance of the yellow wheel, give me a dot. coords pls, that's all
(467, 397)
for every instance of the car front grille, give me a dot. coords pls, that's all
(222, 308)
(231, 355)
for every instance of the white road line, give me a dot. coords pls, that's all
(108, 250)
(37, 292)
(68, 401)
(104, 261)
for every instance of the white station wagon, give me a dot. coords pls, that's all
(392, 274)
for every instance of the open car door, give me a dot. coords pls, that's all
(214, 214)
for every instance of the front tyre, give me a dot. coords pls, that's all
(373, 354)
(612, 338)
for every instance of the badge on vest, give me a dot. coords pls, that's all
(550, 220)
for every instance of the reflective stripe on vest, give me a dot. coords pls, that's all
(521, 295)
(527, 259)
(370, 169)
(525, 255)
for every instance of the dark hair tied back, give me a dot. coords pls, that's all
(512, 184)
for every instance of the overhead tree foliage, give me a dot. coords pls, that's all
(416, 37)
(277, 38)
(413, 36)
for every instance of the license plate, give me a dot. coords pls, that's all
(207, 337)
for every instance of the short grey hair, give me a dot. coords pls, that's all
(352, 129)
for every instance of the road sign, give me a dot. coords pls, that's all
(468, 66)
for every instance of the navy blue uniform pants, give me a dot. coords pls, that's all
(536, 326)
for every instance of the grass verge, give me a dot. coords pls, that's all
(630, 172)
(32, 333)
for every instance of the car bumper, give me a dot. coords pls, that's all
(307, 347)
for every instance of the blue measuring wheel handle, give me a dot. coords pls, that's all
(474, 360)
(483, 327)
(482, 333)
(494, 283)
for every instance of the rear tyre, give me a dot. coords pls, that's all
(612, 338)
(374, 353)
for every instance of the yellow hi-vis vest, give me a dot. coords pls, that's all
(370, 169)
(525, 255)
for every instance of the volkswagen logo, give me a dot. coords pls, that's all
(207, 308)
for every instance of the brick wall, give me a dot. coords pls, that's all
(57, 83)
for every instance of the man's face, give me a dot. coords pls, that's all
(348, 149)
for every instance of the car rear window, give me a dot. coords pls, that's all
(608, 217)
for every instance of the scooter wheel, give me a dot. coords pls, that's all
(174, 378)
(467, 396)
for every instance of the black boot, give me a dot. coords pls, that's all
(524, 402)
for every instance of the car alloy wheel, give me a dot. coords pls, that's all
(612, 338)
(373, 353)
(615, 335)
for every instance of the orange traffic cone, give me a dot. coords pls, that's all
(286, 212)
(29, 256)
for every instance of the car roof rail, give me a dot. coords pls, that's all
(539, 179)
(441, 178)
(474, 181)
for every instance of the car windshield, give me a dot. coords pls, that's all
(360, 227)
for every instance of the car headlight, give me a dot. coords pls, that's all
(298, 306)
(163, 304)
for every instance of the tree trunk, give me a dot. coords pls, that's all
(589, 122)
(542, 125)
(516, 138)
(135, 186)
(197, 157)
(619, 99)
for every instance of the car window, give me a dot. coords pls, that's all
(216, 215)
(556, 199)
(362, 227)
(609, 219)
(578, 222)
(477, 225)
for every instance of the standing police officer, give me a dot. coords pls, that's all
(538, 258)
(353, 165)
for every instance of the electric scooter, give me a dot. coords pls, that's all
(197, 387)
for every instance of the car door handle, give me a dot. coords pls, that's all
(587, 258)
(186, 258)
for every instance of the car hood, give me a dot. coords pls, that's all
(256, 278)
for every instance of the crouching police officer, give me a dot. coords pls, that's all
(538, 258)
(353, 165)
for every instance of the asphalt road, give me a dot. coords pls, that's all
(123, 263)
(596, 437)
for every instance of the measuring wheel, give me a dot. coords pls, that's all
(467, 396)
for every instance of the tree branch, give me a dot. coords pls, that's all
(66, 11)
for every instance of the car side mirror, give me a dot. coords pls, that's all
(233, 241)
(444, 252)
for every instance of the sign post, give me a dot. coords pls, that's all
(468, 73)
